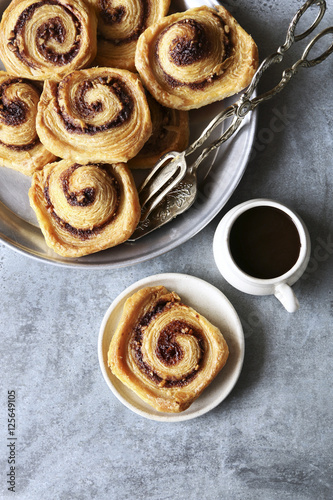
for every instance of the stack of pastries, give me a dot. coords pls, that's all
(94, 89)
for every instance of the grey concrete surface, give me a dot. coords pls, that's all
(271, 439)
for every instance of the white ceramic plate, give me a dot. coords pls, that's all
(208, 301)
(18, 224)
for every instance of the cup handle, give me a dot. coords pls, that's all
(286, 296)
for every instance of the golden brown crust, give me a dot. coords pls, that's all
(97, 114)
(194, 58)
(119, 27)
(165, 351)
(42, 39)
(20, 147)
(82, 209)
(170, 133)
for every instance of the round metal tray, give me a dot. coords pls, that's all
(19, 228)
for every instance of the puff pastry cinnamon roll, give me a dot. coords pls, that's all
(97, 114)
(20, 147)
(170, 133)
(84, 208)
(40, 39)
(165, 351)
(196, 57)
(120, 23)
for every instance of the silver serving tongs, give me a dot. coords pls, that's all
(162, 189)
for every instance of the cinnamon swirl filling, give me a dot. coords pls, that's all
(86, 109)
(120, 23)
(202, 49)
(50, 32)
(189, 48)
(20, 147)
(192, 46)
(44, 38)
(164, 350)
(99, 114)
(84, 197)
(15, 112)
(168, 350)
(84, 208)
(111, 17)
(188, 55)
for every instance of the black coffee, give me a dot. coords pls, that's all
(264, 242)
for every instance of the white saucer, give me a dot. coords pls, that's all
(208, 301)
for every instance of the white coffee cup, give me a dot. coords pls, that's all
(279, 286)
